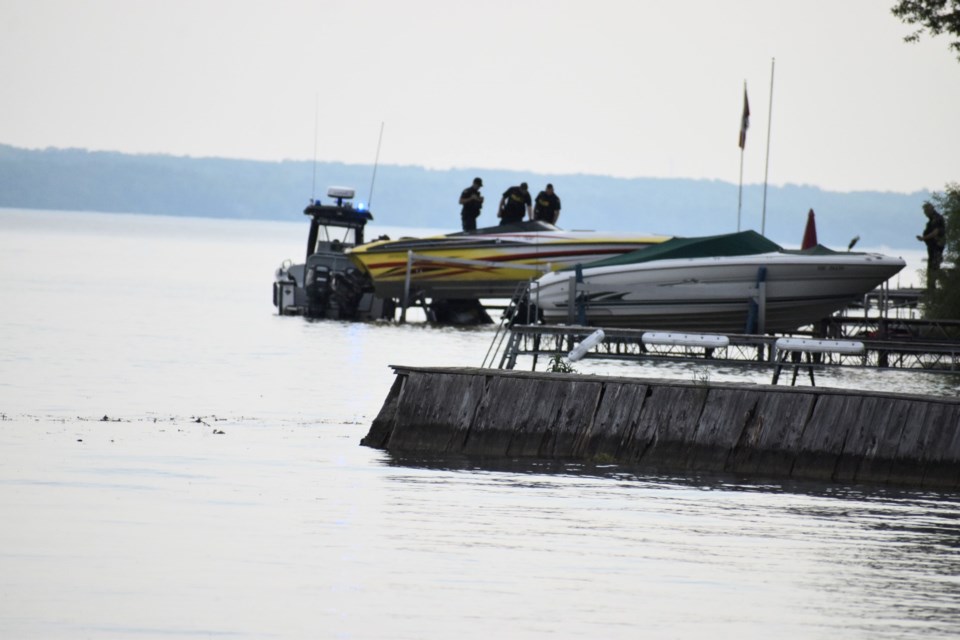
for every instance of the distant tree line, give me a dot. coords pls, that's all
(407, 196)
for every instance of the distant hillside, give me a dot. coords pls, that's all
(76, 179)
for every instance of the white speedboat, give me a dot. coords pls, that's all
(735, 283)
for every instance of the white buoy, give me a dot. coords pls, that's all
(588, 343)
(708, 341)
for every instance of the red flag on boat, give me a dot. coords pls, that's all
(744, 119)
(810, 233)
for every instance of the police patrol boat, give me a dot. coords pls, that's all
(328, 284)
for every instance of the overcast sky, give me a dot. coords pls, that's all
(627, 88)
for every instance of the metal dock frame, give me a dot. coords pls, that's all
(546, 341)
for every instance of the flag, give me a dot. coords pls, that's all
(744, 119)
(810, 232)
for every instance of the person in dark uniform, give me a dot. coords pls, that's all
(472, 201)
(514, 203)
(547, 206)
(935, 237)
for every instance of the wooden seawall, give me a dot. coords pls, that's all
(672, 425)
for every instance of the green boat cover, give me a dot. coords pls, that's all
(744, 243)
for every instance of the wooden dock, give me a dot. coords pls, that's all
(673, 426)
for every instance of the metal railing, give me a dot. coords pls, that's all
(414, 259)
(545, 341)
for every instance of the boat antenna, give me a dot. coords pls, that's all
(376, 161)
(316, 126)
(766, 166)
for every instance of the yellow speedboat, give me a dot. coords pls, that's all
(487, 263)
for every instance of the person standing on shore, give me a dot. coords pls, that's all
(935, 237)
(514, 203)
(472, 202)
(547, 206)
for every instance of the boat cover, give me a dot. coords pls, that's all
(744, 243)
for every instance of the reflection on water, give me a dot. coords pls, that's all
(226, 494)
(815, 553)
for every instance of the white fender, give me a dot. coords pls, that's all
(588, 343)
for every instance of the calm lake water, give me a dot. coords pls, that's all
(178, 461)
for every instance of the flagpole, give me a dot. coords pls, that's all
(744, 123)
(740, 192)
(766, 168)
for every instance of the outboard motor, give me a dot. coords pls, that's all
(348, 287)
(317, 284)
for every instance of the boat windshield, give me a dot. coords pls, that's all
(329, 234)
(342, 225)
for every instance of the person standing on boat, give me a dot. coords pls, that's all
(514, 203)
(472, 201)
(547, 206)
(935, 237)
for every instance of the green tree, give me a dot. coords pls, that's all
(944, 301)
(935, 16)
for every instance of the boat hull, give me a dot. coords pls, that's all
(484, 265)
(715, 294)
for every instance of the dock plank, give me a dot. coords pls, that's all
(940, 456)
(614, 424)
(771, 437)
(824, 435)
(880, 444)
(435, 412)
(725, 416)
(668, 424)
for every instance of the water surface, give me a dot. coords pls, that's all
(226, 494)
